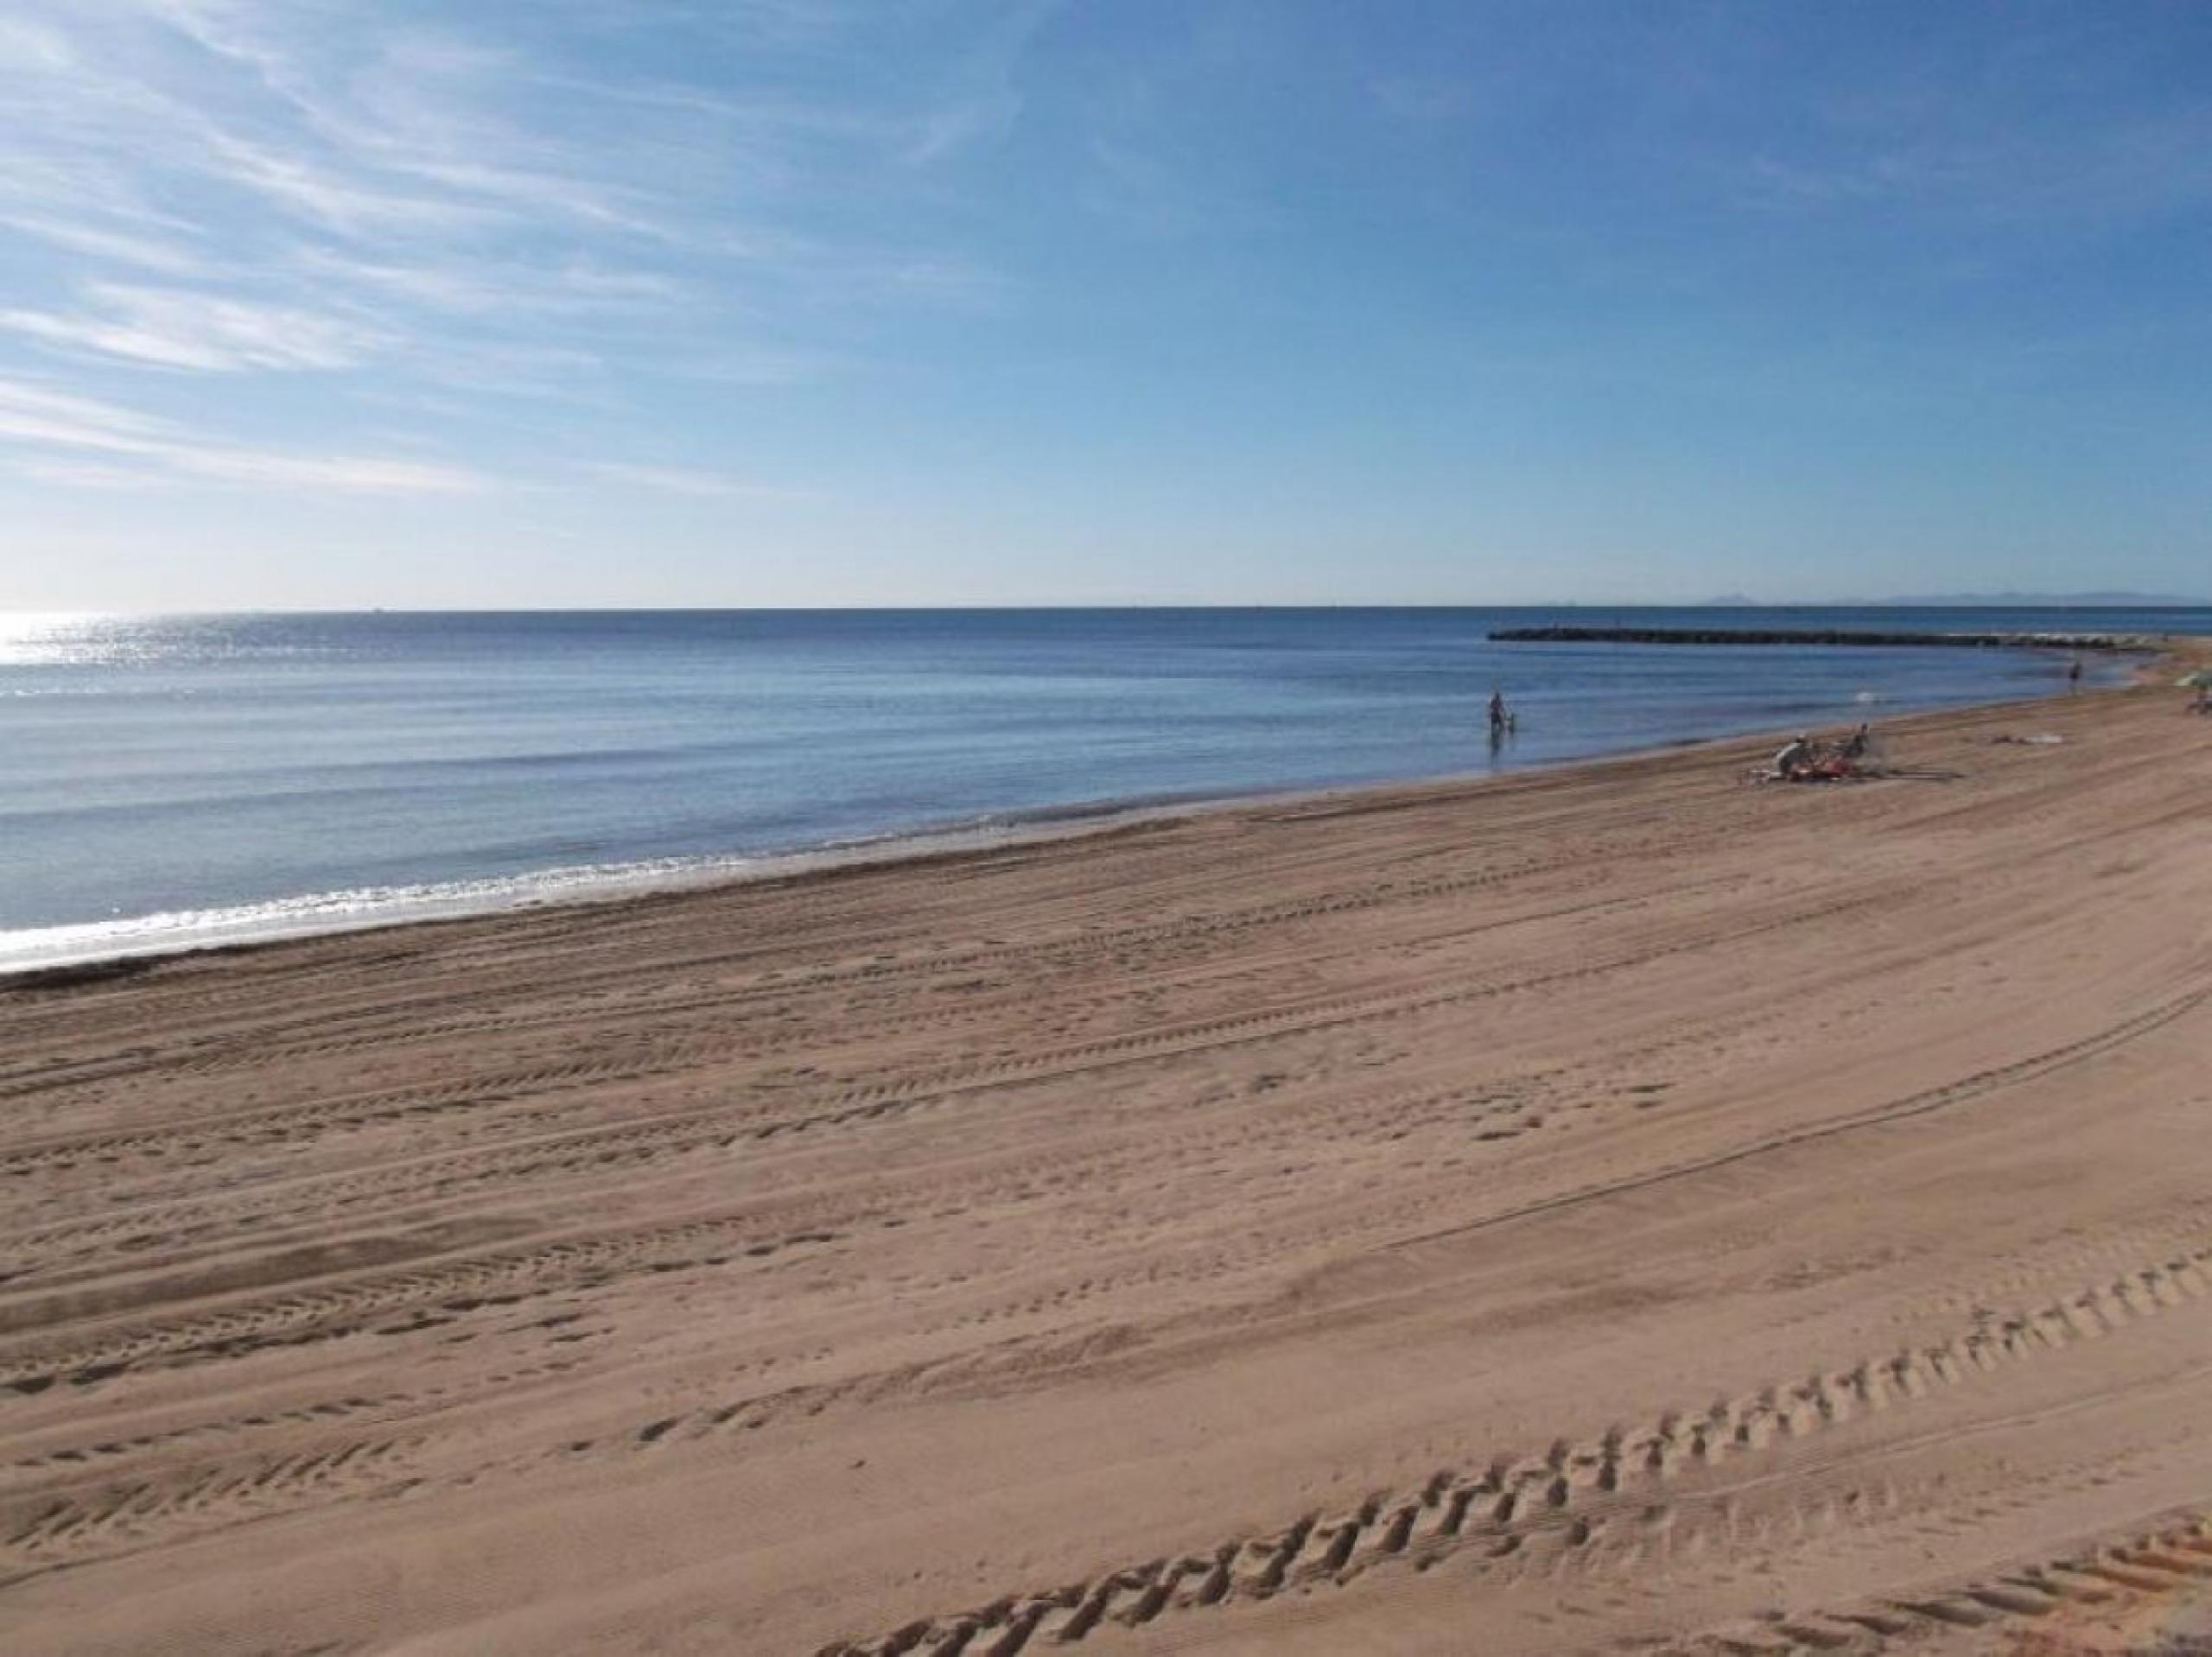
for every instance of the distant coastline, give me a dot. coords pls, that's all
(2095, 600)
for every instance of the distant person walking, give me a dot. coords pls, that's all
(2074, 676)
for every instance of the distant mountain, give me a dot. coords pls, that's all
(2117, 600)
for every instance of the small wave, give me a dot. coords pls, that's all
(360, 908)
(343, 910)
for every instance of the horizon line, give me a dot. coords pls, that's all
(1995, 601)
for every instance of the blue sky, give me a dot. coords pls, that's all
(523, 303)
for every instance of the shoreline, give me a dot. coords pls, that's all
(443, 903)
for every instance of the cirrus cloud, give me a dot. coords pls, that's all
(500, 204)
(182, 328)
(63, 429)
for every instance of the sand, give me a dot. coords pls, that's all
(1616, 1209)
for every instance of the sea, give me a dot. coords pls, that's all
(178, 781)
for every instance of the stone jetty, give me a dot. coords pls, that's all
(1575, 633)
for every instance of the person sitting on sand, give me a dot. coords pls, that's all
(1795, 760)
(1855, 746)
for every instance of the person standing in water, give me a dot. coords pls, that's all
(1497, 713)
(2074, 676)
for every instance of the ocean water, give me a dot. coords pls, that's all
(175, 780)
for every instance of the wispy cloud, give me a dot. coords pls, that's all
(472, 287)
(352, 474)
(63, 428)
(27, 45)
(347, 203)
(2124, 170)
(83, 474)
(754, 365)
(486, 203)
(980, 96)
(679, 480)
(2020, 136)
(107, 245)
(1130, 184)
(178, 328)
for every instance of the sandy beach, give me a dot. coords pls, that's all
(1616, 1209)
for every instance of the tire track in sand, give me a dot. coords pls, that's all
(282, 1123)
(2157, 1565)
(1574, 1488)
(427, 1295)
(304, 1313)
(256, 1050)
(1568, 1492)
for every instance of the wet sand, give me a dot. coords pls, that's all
(1610, 1210)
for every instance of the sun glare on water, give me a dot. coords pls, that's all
(56, 638)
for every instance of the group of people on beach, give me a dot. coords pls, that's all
(1804, 760)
